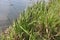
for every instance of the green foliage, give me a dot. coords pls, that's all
(39, 22)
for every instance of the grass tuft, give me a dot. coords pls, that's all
(39, 22)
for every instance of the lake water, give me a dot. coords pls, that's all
(10, 9)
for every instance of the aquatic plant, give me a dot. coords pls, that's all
(39, 22)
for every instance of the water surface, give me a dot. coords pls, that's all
(10, 9)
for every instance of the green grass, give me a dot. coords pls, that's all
(39, 22)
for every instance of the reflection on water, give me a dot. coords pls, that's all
(9, 10)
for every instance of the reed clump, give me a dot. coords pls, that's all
(39, 22)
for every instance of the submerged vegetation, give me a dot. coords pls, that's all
(39, 22)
